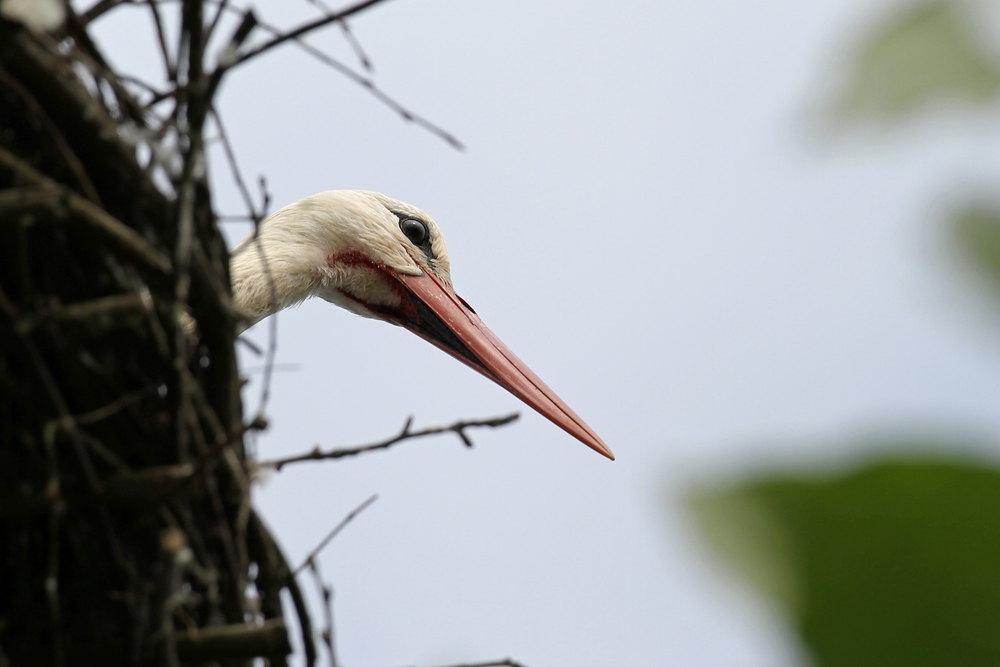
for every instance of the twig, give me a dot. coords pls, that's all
(50, 193)
(352, 41)
(253, 347)
(39, 114)
(366, 62)
(99, 8)
(52, 493)
(51, 387)
(168, 61)
(295, 36)
(113, 408)
(256, 216)
(223, 441)
(326, 592)
(219, 10)
(108, 308)
(336, 529)
(382, 96)
(458, 428)
(282, 572)
(506, 662)
(306, 28)
(240, 640)
(276, 368)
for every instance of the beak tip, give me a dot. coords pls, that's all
(602, 449)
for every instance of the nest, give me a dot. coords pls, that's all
(127, 535)
(126, 530)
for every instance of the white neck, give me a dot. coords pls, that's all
(277, 267)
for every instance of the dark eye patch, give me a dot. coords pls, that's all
(417, 232)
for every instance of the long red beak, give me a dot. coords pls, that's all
(443, 318)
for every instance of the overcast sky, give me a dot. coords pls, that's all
(647, 217)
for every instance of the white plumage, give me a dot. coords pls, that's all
(384, 259)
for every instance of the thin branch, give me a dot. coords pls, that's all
(275, 368)
(506, 662)
(306, 28)
(255, 216)
(295, 35)
(219, 10)
(222, 441)
(115, 407)
(250, 345)
(98, 9)
(239, 640)
(336, 530)
(458, 428)
(352, 41)
(326, 592)
(38, 113)
(52, 576)
(90, 56)
(108, 310)
(366, 62)
(228, 57)
(58, 401)
(382, 96)
(50, 193)
(168, 61)
(283, 575)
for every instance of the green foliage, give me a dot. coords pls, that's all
(977, 233)
(896, 563)
(924, 53)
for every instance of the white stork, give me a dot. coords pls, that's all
(381, 258)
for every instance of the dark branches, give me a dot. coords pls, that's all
(307, 28)
(231, 60)
(506, 662)
(458, 428)
(127, 534)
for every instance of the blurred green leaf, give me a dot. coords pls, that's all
(747, 535)
(897, 563)
(977, 231)
(927, 52)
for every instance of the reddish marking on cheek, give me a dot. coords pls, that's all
(406, 312)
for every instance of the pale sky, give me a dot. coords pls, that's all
(646, 215)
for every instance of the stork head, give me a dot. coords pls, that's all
(381, 258)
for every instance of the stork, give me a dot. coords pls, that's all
(383, 259)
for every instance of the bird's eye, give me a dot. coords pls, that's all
(415, 230)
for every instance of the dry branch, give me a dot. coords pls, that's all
(335, 531)
(506, 662)
(306, 28)
(243, 640)
(458, 428)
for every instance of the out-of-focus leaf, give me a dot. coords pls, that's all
(927, 52)
(897, 563)
(977, 231)
(746, 534)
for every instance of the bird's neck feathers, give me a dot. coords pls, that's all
(280, 265)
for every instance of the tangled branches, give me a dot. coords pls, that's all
(126, 530)
(126, 498)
